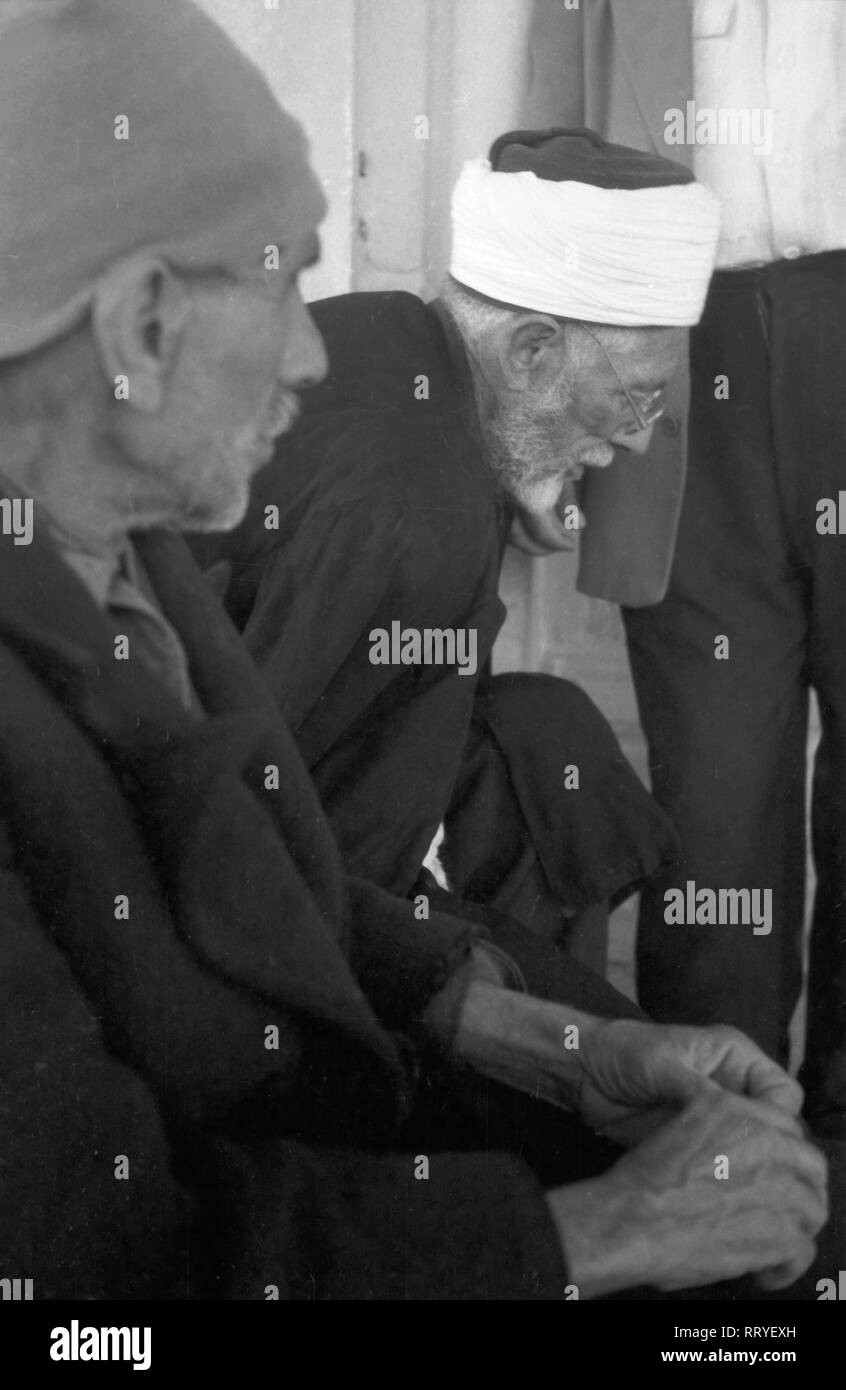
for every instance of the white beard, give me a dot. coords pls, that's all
(540, 496)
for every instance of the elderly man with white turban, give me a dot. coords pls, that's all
(576, 267)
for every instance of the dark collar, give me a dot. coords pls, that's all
(460, 370)
(50, 619)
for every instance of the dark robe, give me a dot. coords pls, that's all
(152, 1144)
(388, 512)
(254, 1157)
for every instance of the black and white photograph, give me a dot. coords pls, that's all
(422, 668)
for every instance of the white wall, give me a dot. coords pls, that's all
(460, 65)
(305, 50)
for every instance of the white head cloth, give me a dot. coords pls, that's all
(608, 255)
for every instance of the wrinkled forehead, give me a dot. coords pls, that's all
(652, 349)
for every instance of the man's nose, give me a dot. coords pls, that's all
(304, 360)
(637, 442)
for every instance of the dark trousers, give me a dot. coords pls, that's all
(727, 738)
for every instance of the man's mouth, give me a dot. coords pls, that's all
(282, 415)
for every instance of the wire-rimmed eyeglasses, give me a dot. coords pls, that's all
(654, 408)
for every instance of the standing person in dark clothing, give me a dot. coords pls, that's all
(736, 517)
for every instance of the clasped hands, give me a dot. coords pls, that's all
(719, 1180)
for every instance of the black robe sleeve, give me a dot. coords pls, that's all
(382, 742)
(340, 1225)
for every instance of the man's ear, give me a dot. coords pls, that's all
(138, 318)
(530, 352)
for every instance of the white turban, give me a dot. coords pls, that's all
(627, 256)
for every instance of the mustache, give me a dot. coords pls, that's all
(285, 410)
(279, 415)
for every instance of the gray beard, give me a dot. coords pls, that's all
(523, 449)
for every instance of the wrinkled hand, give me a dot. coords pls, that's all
(662, 1217)
(635, 1075)
(625, 1077)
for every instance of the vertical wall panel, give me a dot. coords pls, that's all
(454, 69)
(305, 50)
